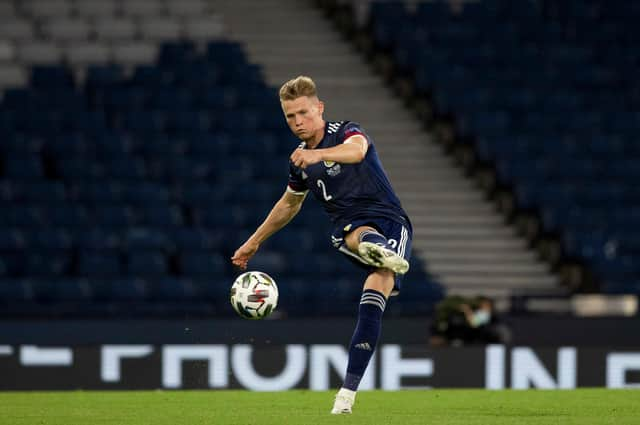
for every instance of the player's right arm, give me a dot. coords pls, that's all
(282, 212)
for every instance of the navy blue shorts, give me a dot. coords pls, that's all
(398, 235)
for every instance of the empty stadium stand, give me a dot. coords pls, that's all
(546, 96)
(138, 148)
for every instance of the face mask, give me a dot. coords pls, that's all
(481, 317)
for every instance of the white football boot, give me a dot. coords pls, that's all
(344, 401)
(379, 256)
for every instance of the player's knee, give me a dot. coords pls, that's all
(352, 239)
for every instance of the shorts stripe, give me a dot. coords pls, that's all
(404, 236)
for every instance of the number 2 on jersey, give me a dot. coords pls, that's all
(326, 196)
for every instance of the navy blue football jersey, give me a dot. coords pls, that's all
(348, 191)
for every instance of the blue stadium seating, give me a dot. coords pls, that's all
(126, 290)
(14, 291)
(126, 193)
(200, 264)
(150, 264)
(194, 239)
(99, 264)
(547, 91)
(174, 290)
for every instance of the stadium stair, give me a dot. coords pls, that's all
(463, 240)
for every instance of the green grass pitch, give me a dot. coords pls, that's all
(441, 407)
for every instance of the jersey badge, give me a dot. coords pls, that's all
(333, 170)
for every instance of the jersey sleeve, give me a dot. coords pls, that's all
(352, 129)
(297, 184)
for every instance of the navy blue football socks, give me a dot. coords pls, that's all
(373, 237)
(365, 337)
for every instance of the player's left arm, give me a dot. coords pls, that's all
(351, 151)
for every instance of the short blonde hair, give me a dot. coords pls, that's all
(298, 87)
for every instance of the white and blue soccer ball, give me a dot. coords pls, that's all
(254, 295)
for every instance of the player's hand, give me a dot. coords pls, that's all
(302, 158)
(244, 253)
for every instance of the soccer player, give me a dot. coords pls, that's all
(338, 163)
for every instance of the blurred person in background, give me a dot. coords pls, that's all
(462, 321)
(338, 163)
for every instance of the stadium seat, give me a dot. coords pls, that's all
(82, 54)
(15, 291)
(134, 53)
(48, 8)
(3, 269)
(11, 240)
(95, 240)
(187, 8)
(271, 262)
(38, 53)
(7, 9)
(6, 51)
(23, 217)
(147, 264)
(16, 29)
(72, 290)
(27, 167)
(42, 192)
(48, 240)
(96, 8)
(199, 264)
(204, 28)
(143, 8)
(195, 239)
(68, 216)
(48, 265)
(97, 193)
(146, 193)
(12, 76)
(65, 30)
(127, 290)
(169, 217)
(115, 216)
(99, 265)
(174, 290)
(160, 29)
(140, 238)
(115, 29)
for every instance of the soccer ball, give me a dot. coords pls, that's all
(254, 295)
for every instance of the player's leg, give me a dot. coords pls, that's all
(379, 285)
(375, 249)
(377, 288)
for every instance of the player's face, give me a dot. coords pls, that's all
(304, 116)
